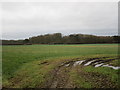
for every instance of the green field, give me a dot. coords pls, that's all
(22, 66)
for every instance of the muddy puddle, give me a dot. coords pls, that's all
(97, 62)
(113, 67)
(88, 63)
(78, 62)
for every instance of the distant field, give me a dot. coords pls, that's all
(22, 68)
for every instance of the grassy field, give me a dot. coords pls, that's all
(34, 65)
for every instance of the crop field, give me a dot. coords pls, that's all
(60, 66)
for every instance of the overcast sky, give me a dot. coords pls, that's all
(26, 19)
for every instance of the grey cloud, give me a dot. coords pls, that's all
(21, 20)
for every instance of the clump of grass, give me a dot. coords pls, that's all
(79, 81)
(110, 73)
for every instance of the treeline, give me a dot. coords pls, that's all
(57, 38)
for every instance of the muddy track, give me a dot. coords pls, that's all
(91, 59)
(97, 62)
(60, 75)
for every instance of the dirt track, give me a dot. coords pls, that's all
(61, 77)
